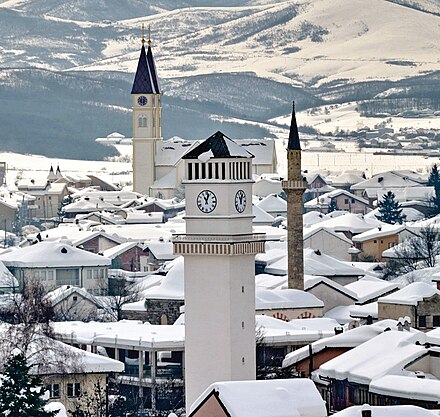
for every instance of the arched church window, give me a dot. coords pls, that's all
(142, 121)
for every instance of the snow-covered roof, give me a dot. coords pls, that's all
(117, 250)
(347, 178)
(286, 298)
(162, 249)
(261, 216)
(262, 149)
(61, 293)
(88, 204)
(129, 333)
(270, 398)
(386, 180)
(387, 353)
(349, 339)
(7, 280)
(381, 231)
(407, 386)
(311, 231)
(52, 254)
(350, 222)
(168, 181)
(411, 294)
(272, 203)
(313, 217)
(369, 309)
(388, 411)
(370, 288)
(325, 199)
(312, 281)
(411, 214)
(171, 151)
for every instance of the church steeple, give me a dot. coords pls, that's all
(147, 120)
(145, 80)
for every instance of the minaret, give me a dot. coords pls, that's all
(219, 250)
(294, 188)
(147, 119)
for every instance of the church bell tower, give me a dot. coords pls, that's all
(147, 119)
(219, 250)
(294, 188)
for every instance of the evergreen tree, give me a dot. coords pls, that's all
(434, 177)
(333, 206)
(435, 201)
(390, 211)
(21, 393)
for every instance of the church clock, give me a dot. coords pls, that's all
(142, 101)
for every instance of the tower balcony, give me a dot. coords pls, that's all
(293, 185)
(245, 244)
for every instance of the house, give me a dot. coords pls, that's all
(374, 242)
(287, 304)
(126, 256)
(327, 241)
(274, 205)
(266, 185)
(347, 179)
(368, 289)
(392, 368)
(303, 361)
(391, 180)
(152, 355)
(419, 301)
(48, 196)
(157, 253)
(54, 264)
(70, 375)
(74, 303)
(343, 199)
(330, 292)
(270, 398)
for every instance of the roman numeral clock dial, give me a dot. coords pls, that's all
(240, 201)
(206, 201)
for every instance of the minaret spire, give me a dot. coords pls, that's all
(149, 35)
(294, 188)
(143, 35)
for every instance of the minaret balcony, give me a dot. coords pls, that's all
(293, 185)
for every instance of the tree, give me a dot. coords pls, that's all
(434, 176)
(333, 206)
(21, 393)
(120, 293)
(390, 210)
(415, 253)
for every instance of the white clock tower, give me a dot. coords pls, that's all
(147, 120)
(219, 249)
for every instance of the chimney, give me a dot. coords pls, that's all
(366, 411)
(400, 324)
(406, 323)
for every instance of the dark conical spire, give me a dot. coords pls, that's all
(294, 143)
(145, 80)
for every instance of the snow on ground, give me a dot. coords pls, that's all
(37, 167)
(289, 40)
(329, 118)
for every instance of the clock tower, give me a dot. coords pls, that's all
(147, 120)
(219, 250)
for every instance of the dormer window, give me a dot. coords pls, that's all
(142, 120)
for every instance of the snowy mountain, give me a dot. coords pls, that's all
(227, 58)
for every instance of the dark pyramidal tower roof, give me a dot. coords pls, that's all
(220, 146)
(145, 80)
(294, 143)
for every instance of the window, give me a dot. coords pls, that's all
(74, 390)
(67, 277)
(353, 200)
(89, 274)
(346, 200)
(436, 321)
(422, 321)
(54, 390)
(142, 120)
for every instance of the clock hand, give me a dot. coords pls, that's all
(206, 197)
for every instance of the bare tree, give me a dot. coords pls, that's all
(415, 253)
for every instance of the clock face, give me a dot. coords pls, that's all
(206, 201)
(142, 100)
(240, 201)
